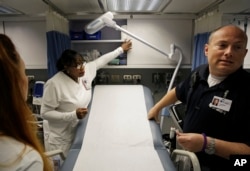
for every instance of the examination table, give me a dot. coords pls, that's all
(116, 135)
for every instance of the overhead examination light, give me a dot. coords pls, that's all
(107, 20)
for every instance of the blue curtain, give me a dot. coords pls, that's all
(199, 56)
(56, 43)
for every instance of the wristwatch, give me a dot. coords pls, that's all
(210, 149)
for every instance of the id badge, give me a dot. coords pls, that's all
(86, 84)
(222, 104)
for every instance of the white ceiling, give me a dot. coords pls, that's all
(71, 8)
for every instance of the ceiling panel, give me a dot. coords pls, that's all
(27, 7)
(83, 7)
(78, 6)
(187, 6)
(233, 6)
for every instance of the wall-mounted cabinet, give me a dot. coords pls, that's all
(30, 39)
(158, 32)
(108, 40)
(161, 33)
(240, 22)
(95, 41)
(103, 46)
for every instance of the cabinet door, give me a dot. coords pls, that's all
(30, 40)
(110, 39)
(247, 58)
(1, 27)
(160, 33)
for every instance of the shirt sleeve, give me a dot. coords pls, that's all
(182, 89)
(32, 161)
(104, 59)
(92, 67)
(50, 104)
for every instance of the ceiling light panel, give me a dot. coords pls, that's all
(5, 10)
(136, 5)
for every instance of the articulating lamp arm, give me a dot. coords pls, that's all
(107, 20)
(173, 48)
(141, 40)
(176, 48)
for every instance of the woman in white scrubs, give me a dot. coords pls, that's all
(67, 95)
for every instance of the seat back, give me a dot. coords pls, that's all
(177, 113)
(38, 92)
(183, 160)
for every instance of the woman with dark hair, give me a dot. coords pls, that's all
(68, 93)
(20, 148)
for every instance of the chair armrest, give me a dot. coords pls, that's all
(191, 155)
(55, 152)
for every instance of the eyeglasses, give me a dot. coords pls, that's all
(80, 66)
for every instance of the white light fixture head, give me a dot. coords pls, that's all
(102, 21)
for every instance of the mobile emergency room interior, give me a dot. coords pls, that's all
(168, 38)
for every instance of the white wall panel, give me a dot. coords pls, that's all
(239, 21)
(160, 33)
(1, 27)
(30, 40)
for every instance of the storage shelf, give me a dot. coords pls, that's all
(96, 41)
(167, 66)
